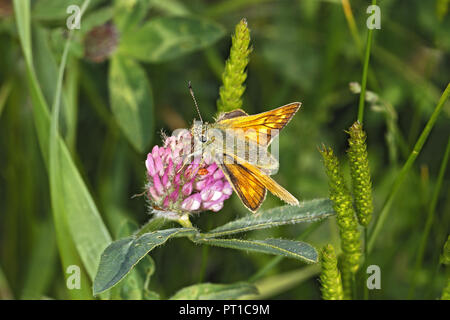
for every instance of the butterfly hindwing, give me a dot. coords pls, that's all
(247, 186)
(251, 184)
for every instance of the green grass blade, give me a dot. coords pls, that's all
(87, 229)
(76, 213)
(45, 65)
(307, 211)
(430, 220)
(381, 218)
(68, 253)
(5, 89)
(22, 15)
(43, 253)
(5, 291)
(71, 114)
(365, 72)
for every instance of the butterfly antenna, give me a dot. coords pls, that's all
(195, 101)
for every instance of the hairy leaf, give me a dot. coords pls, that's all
(135, 284)
(281, 247)
(121, 256)
(307, 211)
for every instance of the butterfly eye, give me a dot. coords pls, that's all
(203, 139)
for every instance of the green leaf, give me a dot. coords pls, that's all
(210, 291)
(94, 19)
(22, 16)
(166, 38)
(281, 247)
(57, 9)
(307, 211)
(71, 114)
(136, 282)
(171, 7)
(128, 14)
(121, 256)
(131, 101)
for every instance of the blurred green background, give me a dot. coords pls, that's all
(303, 50)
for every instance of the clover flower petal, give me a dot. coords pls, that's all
(176, 186)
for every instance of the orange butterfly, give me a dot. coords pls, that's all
(238, 142)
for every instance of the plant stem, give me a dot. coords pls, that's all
(379, 221)
(184, 221)
(201, 274)
(364, 75)
(429, 221)
(153, 224)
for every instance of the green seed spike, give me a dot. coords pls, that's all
(346, 219)
(234, 75)
(360, 173)
(330, 278)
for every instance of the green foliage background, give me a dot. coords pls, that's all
(112, 114)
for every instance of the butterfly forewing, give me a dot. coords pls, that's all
(260, 128)
(238, 143)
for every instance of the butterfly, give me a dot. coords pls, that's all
(238, 143)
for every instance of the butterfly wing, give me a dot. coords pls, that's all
(251, 184)
(246, 185)
(259, 128)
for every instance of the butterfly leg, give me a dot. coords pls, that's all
(188, 159)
